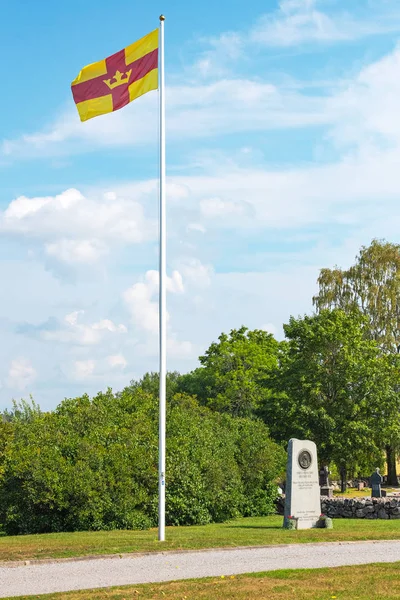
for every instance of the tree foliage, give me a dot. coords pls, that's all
(234, 372)
(337, 386)
(372, 285)
(92, 464)
(6, 434)
(150, 382)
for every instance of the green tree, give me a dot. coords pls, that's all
(22, 411)
(235, 372)
(336, 384)
(150, 382)
(372, 285)
(92, 464)
(6, 434)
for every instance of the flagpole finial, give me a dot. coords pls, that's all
(162, 18)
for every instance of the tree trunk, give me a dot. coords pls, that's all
(343, 479)
(391, 466)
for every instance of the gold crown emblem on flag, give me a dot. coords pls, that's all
(119, 79)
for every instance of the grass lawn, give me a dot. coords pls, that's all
(367, 582)
(255, 531)
(365, 493)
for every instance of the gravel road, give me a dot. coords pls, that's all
(62, 576)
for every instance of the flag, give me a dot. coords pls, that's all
(112, 83)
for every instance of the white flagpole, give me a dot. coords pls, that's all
(162, 298)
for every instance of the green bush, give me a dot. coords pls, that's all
(92, 464)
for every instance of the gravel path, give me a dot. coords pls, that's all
(62, 576)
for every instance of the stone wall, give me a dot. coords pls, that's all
(361, 508)
(355, 508)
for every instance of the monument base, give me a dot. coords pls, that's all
(300, 523)
(307, 523)
(327, 490)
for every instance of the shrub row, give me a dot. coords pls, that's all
(92, 464)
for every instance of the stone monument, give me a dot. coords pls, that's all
(303, 500)
(376, 482)
(325, 488)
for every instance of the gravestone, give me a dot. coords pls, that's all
(303, 501)
(376, 482)
(325, 488)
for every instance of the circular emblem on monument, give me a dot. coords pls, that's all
(304, 459)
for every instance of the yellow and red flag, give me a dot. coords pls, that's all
(112, 83)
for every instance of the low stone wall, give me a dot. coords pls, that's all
(361, 508)
(354, 508)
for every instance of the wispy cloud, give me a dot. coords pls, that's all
(298, 22)
(222, 52)
(194, 111)
(294, 24)
(96, 369)
(366, 108)
(72, 331)
(21, 374)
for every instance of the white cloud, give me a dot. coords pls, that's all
(143, 309)
(295, 22)
(223, 50)
(20, 210)
(77, 251)
(75, 216)
(107, 325)
(21, 374)
(175, 283)
(236, 105)
(195, 272)
(301, 21)
(216, 207)
(82, 369)
(73, 332)
(177, 349)
(142, 303)
(270, 328)
(67, 134)
(366, 109)
(117, 361)
(78, 230)
(196, 227)
(300, 197)
(140, 299)
(194, 111)
(97, 370)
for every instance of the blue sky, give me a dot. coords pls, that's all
(283, 135)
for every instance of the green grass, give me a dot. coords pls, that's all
(365, 493)
(367, 582)
(241, 532)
